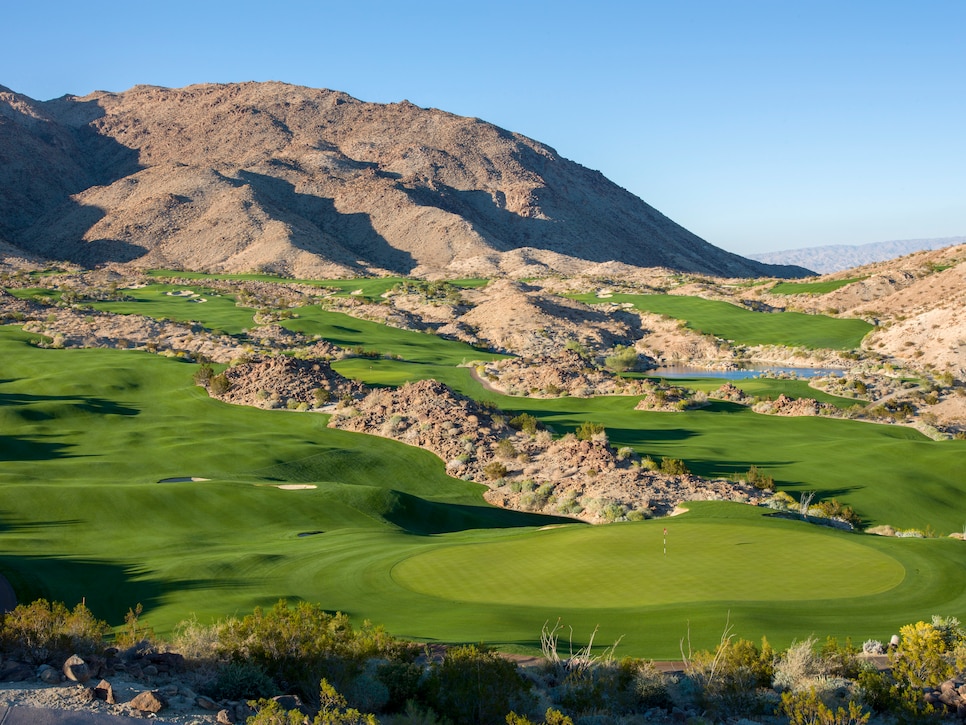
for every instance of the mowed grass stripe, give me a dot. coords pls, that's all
(625, 565)
(745, 327)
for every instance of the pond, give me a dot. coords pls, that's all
(687, 371)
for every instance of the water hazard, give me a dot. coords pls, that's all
(686, 371)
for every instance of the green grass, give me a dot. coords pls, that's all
(812, 288)
(371, 288)
(85, 435)
(745, 327)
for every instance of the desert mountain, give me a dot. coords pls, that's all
(838, 257)
(239, 177)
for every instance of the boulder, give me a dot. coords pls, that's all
(104, 691)
(49, 676)
(148, 701)
(76, 670)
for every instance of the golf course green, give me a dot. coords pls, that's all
(122, 482)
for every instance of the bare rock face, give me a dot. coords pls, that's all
(238, 177)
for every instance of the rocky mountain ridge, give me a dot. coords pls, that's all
(314, 183)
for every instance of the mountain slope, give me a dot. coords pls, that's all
(839, 257)
(312, 183)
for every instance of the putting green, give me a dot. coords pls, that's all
(625, 566)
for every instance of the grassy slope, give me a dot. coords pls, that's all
(744, 327)
(880, 470)
(80, 514)
(812, 288)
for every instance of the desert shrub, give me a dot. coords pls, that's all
(526, 423)
(495, 470)
(799, 666)
(475, 685)
(923, 657)
(622, 359)
(552, 717)
(505, 448)
(883, 694)
(45, 631)
(602, 685)
(760, 480)
(807, 708)
(299, 645)
(587, 430)
(333, 710)
(240, 681)
(402, 680)
(673, 466)
(134, 631)
(835, 510)
(203, 375)
(219, 384)
(873, 647)
(322, 396)
(727, 680)
(841, 659)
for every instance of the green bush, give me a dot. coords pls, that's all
(42, 632)
(806, 708)
(475, 685)
(495, 470)
(587, 430)
(299, 645)
(240, 681)
(526, 423)
(623, 359)
(673, 466)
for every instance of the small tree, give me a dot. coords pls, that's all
(587, 430)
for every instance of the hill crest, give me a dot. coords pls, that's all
(309, 182)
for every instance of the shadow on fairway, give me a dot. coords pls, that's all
(419, 516)
(15, 448)
(99, 406)
(108, 589)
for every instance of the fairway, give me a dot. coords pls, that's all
(374, 528)
(745, 327)
(624, 565)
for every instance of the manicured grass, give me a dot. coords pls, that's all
(744, 327)
(86, 435)
(370, 288)
(812, 288)
(889, 474)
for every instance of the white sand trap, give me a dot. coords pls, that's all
(181, 293)
(198, 299)
(356, 292)
(183, 479)
(604, 295)
(296, 486)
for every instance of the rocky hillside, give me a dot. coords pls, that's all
(269, 176)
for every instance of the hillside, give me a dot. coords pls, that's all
(269, 176)
(839, 257)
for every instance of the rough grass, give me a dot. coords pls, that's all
(744, 327)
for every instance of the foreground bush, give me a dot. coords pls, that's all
(297, 646)
(475, 685)
(41, 632)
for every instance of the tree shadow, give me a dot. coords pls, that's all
(18, 448)
(318, 227)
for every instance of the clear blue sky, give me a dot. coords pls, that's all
(757, 124)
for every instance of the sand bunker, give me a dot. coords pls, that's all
(296, 486)
(182, 293)
(183, 479)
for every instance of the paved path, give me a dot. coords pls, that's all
(37, 716)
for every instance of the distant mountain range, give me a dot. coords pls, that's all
(293, 180)
(838, 257)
